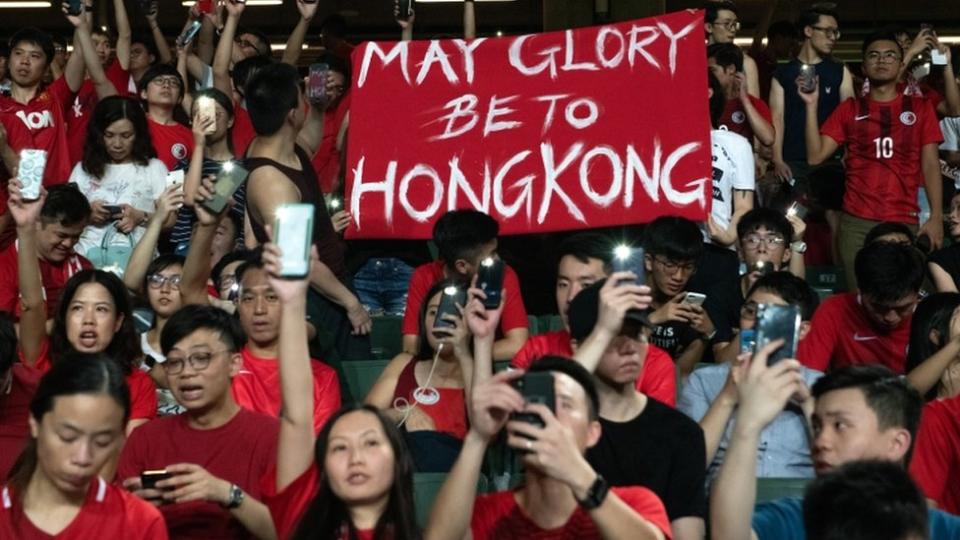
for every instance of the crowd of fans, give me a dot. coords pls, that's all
(162, 376)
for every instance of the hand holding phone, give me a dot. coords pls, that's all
(317, 83)
(149, 479)
(292, 233)
(535, 387)
(450, 298)
(207, 111)
(778, 322)
(694, 299)
(630, 259)
(490, 281)
(231, 176)
(808, 75)
(33, 163)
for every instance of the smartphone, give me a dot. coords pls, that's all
(938, 58)
(114, 209)
(763, 267)
(30, 171)
(449, 298)
(189, 33)
(630, 259)
(207, 108)
(335, 204)
(317, 83)
(175, 178)
(205, 6)
(778, 322)
(149, 479)
(292, 233)
(490, 280)
(748, 341)
(231, 176)
(808, 74)
(406, 9)
(74, 7)
(694, 299)
(536, 387)
(797, 209)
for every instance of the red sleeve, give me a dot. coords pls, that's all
(9, 291)
(815, 350)
(326, 394)
(836, 125)
(761, 108)
(287, 505)
(119, 77)
(420, 283)
(130, 464)
(527, 353)
(933, 461)
(647, 504)
(488, 510)
(930, 128)
(514, 312)
(143, 396)
(61, 93)
(659, 379)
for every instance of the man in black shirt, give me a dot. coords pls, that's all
(643, 441)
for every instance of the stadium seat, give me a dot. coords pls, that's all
(361, 374)
(826, 277)
(533, 325)
(425, 489)
(769, 489)
(386, 339)
(549, 323)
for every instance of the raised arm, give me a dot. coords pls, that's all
(819, 147)
(205, 47)
(311, 134)
(33, 316)
(196, 269)
(950, 106)
(75, 69)
(224, 54)
(469, 20)
(781, 169)
(930, 161)
(294, 46)
(614, 303)
(168, 203)
(928, 374)
(797, 266)
(406, 25)
(124, 33)
(84, 43)
(165, 56)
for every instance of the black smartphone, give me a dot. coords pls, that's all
(796, 208)
(490, 280)
(630, 259)
(74, 7)
(763, 268)
(149, 479)
(449, 298)
(778, 322)
(406, 9)
(536, 387)
(115, 211)
(231, 176)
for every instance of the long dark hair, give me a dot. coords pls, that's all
(327, 514)
(125, 346)
(933, 313)
(78, 373)
(108, 111)
(424, 351)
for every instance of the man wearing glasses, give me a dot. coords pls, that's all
(891, 142)
(214, 454)
(161, 88)
(721, 26)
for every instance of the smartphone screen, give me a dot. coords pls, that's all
(763, 267)
(630, 259)
(317, 83)
(778, 322)
(797, 209)
(149, 479)
(207, 108)
(536, 387)
(694, 299)
(189, 33)
(807, 74)
(30, 171)
(292, 232)
(490, 280)
(231, 176)
(450, 297)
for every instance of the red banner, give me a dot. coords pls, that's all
(583, 128)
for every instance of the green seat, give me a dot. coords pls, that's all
(826, 277)
(549, 323)
(532, 325)
(361, 374)
(823, 293)
(386, 338)
(425, 489)
(500, 365)
(769, 489)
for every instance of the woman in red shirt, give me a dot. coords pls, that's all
(77, 419)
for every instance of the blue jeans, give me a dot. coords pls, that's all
(381, 285)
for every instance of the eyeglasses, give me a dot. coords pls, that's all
(172, 82)
(672, 266)
(157, 281)
(247, 44)
(198, 362)
(733, 26)
(831, 33)
(753, 241)
(885, 57)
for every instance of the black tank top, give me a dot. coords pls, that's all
(330, 247)
(794, 110)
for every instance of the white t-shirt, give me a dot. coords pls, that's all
(733, 168)
(125, 183)
(950, 126)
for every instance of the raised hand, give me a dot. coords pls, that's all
(24, 213)
(286, 289)
(307, 9)
(765, 390)
(492, 402)
(169, 201)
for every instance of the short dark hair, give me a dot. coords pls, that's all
(888, 272)
(147, 42)
(880, 35)
(585, 246)
(261, 37)
(252, 261)
(34, 36)
(189, 319)
(811, 16)
(161, 263)
(791, 289)
(726, 55)
(459, 234)
(233, 256)
(58, 39)
(161, 70)
(575, 371)
(896, 404)
(718, 101)
(673, 237)
(864, 500)
(65, 204)
(8, 343)
(711, 10)
(271, 93)
(935, 312)
(888, 227)
(767, 218)
(245, 69)
(337, 64)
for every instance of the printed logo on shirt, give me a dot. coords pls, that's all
(858, 337)
(738, 117)
(908, 118)
(179, 151)
(827, 89)
(36, 120)
(861, 117)
(77, 108)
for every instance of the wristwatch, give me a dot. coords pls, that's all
(236, 497)
(596, 494)
(798, 247)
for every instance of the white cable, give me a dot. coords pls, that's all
(402, 404)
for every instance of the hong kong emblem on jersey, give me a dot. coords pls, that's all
(738, 117)
(907, 118)
(179, 151)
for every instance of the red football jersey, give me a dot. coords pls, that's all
(172, 142)
(735, 118)
(41, 124)
(883, 159)
(936, 454)
(242, 132)
(78, 116)
(53, 277)
(15, 414)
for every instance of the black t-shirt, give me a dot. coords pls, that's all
(948, 258)
(674, 337)
(725, 313)
(661, 449)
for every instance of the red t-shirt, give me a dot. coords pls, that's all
(242, 132)
(41, 124)
(936, 454)
(239, 452)
(107, 512)
(172, 142)
(78, 117)
(449, 412)
(53, 276)
(257, 387)
(734, 117)
(498, 516)
(427, 275)
(658, 378)
(842, 335)
(883, 154)
(15, 414)
(326, 162)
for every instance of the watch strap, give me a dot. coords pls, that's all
(596, 494)
(236, 497)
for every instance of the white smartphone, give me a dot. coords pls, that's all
(292, 233)
(694, 299)
(175, 178)
(937, 58)
(30, 171)
(207, 108)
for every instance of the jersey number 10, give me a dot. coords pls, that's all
(884, 147)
